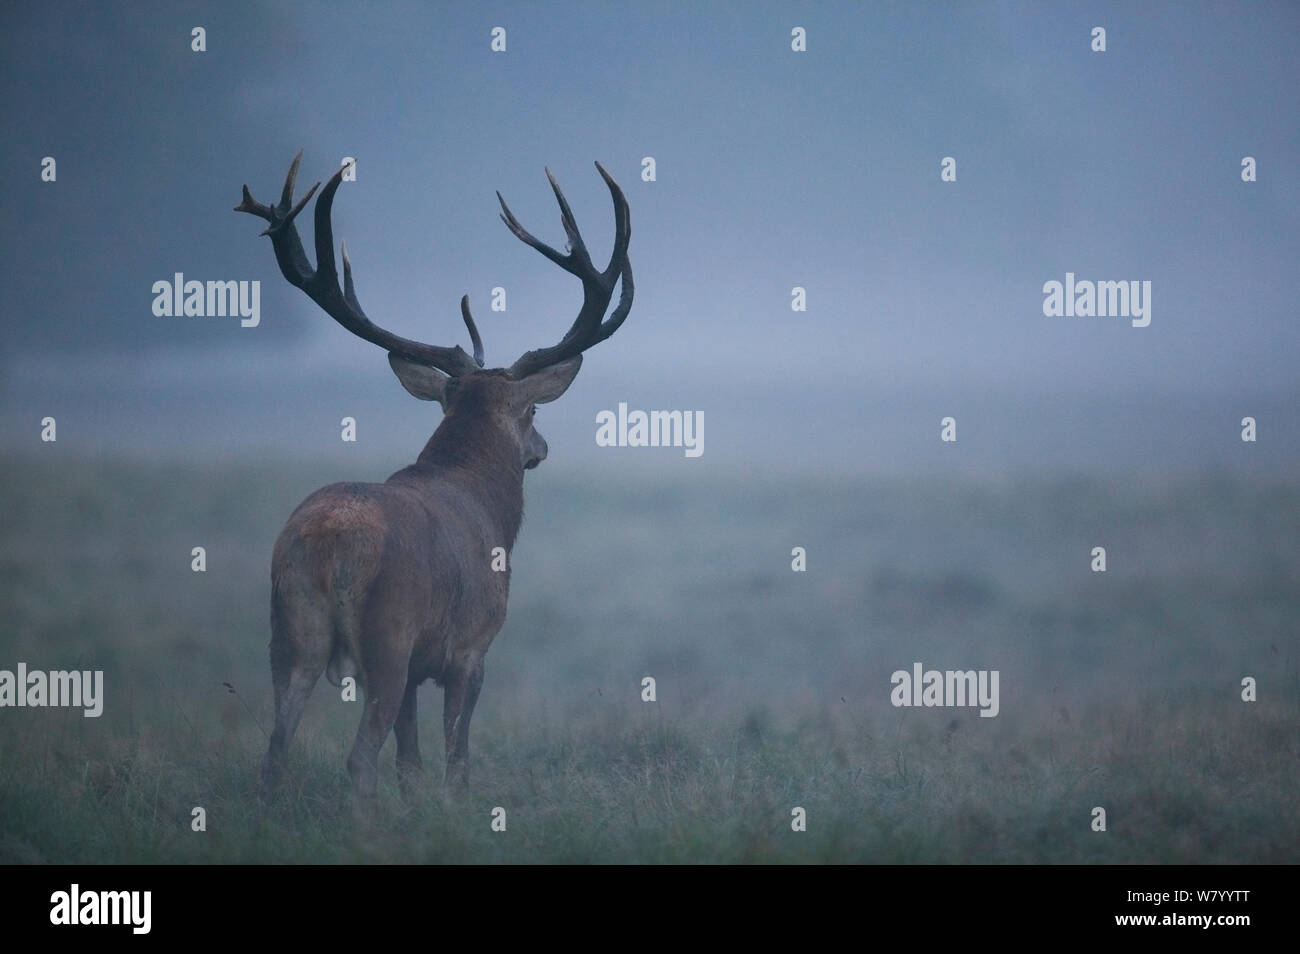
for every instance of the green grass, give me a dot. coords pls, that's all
(1177, 787)
(1120, 691)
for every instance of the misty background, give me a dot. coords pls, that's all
(774, 169)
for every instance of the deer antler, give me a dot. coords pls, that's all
(597, 286)
(322, 283)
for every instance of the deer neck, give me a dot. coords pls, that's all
(480, 461)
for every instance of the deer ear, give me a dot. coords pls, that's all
(547, 384)
(420, 380)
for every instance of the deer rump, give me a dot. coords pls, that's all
(356, 562)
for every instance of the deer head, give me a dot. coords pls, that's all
(504, 399)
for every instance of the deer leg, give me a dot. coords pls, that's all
(385, 690)
(295, 669)
(408, 743)
(461, 693)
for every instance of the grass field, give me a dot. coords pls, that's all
(1119, 690)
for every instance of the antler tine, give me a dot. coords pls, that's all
(286, 197)
(473, 330)
(597, 286)
(524, 236)
(289, 254)
(577, 249)
(321, 284)
(622, 223)
(326, 274)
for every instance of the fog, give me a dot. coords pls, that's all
(774, 169)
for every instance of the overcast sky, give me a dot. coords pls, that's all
(775, 169)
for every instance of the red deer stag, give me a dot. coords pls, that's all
(393, 583)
